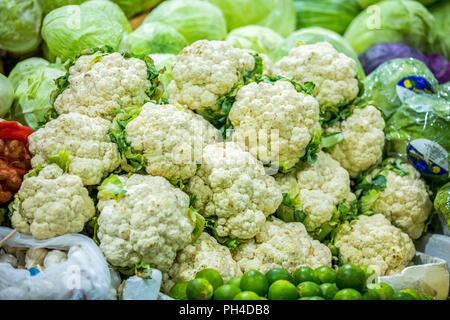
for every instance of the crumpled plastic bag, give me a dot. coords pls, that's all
(83, 276)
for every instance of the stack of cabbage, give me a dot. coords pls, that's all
(216, 135)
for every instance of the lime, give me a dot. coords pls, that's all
(401, 296)
(226, 292)
(178, 290)
(424, 296)
(236, 281)
(212, 276)
(371, 294)
(387, 289)
(350, 276)
(303, 274)
(278, 274)
(282, 290)
(312, 298)
(199, 289)
(308, 289)
(383, 290)
(328, 290)
(412, 292)
(246, 295)
(370, 274)
(325, 274)
(255, 281)
(348, 294)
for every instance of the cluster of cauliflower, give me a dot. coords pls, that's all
(151, 214)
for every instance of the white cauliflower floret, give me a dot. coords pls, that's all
(281, 245)
(52, 204)
(333, 73)
(171, 139)
(232, 186)
(374, 242)
(404, 201)
(204, 253)
(149, 224)
(363, 142)
(274, 121)
(101, 84)
(92, 155)
(319, 188)
(206, 70)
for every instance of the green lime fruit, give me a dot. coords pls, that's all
(312, 298)
(308, 289)
(212, 276)
(236, 281)
(282, 290)
(350, 276)
(371, 294)
(411, 292)
(348, 294)
(199, 289)
(303, 274)
(255, 281)
(325, 274)
(328, 290)
(246, 295)
(178, 290)
(402, 296)
(226, 292)
(278, 274)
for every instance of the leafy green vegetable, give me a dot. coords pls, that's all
(313, 35)
(111, 188)
(381, 86)
(290, 208)
(441, 12)
(334, 15)
(257, 38)
(313, 148)
(194, 19)
(279, 15)
(24, 69)
(61, 159)
(392, 21)
(199, 222)
(71, 29)
(442, 202)
(329, 141)
(153, 37)
(6, 95)
(20, 22)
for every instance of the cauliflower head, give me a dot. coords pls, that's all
(363, 142)
(373, 241)
(101, 83)
(52, 204)
(146, 222)
(171, 139)
(204, 253)
(92, 155)
(333, 73)
(205, 71)
(274, 121)
(404, 200)
(281, 245)
(232, 187)
(317, 189)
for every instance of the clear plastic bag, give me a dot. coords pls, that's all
(83, 276)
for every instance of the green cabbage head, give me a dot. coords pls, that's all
(6, 95)
(71, 29)
(20, 25)
(194, 19)
(153, 37)
(279, 15)
(256, 38)
(24, 68)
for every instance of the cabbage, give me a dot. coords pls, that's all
(71, 29)
(441, 14)
(365, 3)
(32, 102)
(256, 38)
(6, 95)
(194, 19)
(392, 21)
(444, 91)
(24, 68)
(164, 61)
(153, 37)
(279, 15)
(129, 7)
(20, 23)
(111, 9)
(314, 35)
(422, 116)
(383, 84)
(334, 15)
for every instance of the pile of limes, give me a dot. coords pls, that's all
(348, 282)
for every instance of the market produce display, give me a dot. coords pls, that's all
(222, 149)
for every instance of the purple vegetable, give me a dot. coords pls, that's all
(383, 52)
(439, 66)
(373, 57)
